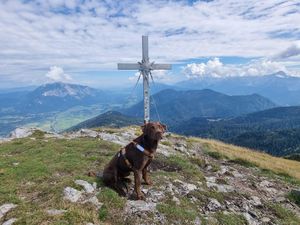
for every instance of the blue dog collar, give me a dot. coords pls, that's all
(140, 148)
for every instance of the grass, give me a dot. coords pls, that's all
(113, 205)
(45, 167)
(215, 155)
(286, 217)
(166, 143)
(277, 165)
(294, 197)
(243, 162)
(230, 219)
(198, 161)
(191, 171)
(183, 213)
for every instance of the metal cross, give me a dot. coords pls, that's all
(145, 67)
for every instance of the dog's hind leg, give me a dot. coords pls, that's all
(118, 184)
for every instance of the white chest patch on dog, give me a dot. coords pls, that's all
(140, 148)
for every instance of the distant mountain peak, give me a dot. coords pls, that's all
(59, 89)
(281, 74)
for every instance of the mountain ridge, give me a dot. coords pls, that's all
(174, 105)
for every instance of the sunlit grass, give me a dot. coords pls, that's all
(262, 160)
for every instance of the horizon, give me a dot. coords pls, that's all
(82, 41)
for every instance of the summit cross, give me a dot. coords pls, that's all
(145, 67)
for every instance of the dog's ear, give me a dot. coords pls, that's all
(164, 126)
(144, 128)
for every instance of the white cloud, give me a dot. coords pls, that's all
(215, 68)
(94, 35)
(293, 50)
(57, 74)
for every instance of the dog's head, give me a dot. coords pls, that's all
(154, 130)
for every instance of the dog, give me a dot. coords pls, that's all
(134, 157)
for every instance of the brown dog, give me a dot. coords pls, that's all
(136, 157)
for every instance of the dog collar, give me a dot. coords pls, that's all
(139, 147)
(143, 150)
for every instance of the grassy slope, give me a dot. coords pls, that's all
(46, 166)
(265, 161)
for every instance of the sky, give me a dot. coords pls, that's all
(81, 41)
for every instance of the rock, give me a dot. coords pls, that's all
(236, 174)
(211, 182)
(3, 140)
(72, 194)
(176, 200)
(139, 206)
(169, 188)
(185, 187)
(265, 220)
(86, 185)
(165, 150)
(280, 199)
(223, 170)
(181, 147)
(245, 206)
(213, 205)
(10, 221)
(250, 219)
(189, 187)
(89, 224)
(113, 138)
(6, 208)
(94, 200)
(21, 132)
(16, 163)
(255, 201)
(55, 212)
(272, 191)
(155, 196)
(210, 179)
(197, 221)
(208, 167)
(265, 184)
(88, 133)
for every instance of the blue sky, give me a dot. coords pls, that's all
(81, 41)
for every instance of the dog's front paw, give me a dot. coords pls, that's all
(141, 197)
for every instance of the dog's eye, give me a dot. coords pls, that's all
(152, 127)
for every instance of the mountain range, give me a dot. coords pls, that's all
(52, 97)
(175, 106)
(275, 131)
(280, 88)
(240, 116)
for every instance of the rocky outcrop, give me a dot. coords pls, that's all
(87, 195)
(6, 208)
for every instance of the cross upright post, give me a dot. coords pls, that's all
(145, 68)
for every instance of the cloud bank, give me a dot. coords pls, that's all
(94, 35)
(215, 68)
